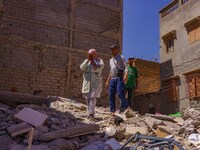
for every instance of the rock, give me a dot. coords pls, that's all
(110, 131)
(119, 135)
(191, 113)
(62, 144)
(179, 120)
(118, 120)
(196, 123)
(162, 132)
(181, 130)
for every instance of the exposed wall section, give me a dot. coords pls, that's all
(186, 54)
(43, 43)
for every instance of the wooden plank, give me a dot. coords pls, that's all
(30, 139)
(70, 132)
(19, 129)
(31, 116)
(15, 97)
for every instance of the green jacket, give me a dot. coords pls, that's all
(132, 76)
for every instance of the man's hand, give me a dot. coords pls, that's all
(107, 81)
(125, 80)
(107, 84)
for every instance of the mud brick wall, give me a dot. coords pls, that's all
(43, 43)
(149, 76)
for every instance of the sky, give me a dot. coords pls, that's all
(141, 28)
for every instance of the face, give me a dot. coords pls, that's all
(115, 51)
(90, 56)
(131, 62)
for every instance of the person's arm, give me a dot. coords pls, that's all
(101, 66)
(126, 76)
(83, 66)
(108, 80)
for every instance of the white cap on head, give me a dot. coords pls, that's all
(92, 51)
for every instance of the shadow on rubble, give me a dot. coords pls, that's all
(62, 128)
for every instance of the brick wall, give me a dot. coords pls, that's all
(149, 76)
(43, 43)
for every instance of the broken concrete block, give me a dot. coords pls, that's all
(113, 143)
(98, 145)
(130, 130)
(5, 142)
(162, 131)
(31, 116)
(179, 120)
(119, 135)
(19, 129)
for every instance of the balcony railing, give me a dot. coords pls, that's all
(172, 7)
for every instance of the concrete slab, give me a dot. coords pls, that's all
(113, 143)
(31, 116)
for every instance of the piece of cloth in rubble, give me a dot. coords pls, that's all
(92, 79)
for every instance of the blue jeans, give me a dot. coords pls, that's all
(117, 86)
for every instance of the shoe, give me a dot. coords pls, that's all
(112, 114)
(121, 110)
(91, 117)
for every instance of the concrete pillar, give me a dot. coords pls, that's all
(184, 99)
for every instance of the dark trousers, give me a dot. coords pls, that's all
(130, 92)
(117, 86)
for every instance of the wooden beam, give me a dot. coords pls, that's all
(15, 97)
(70, 132)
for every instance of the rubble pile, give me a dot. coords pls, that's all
(64, 125)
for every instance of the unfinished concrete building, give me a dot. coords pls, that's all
(180, 55)
(42, 43)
